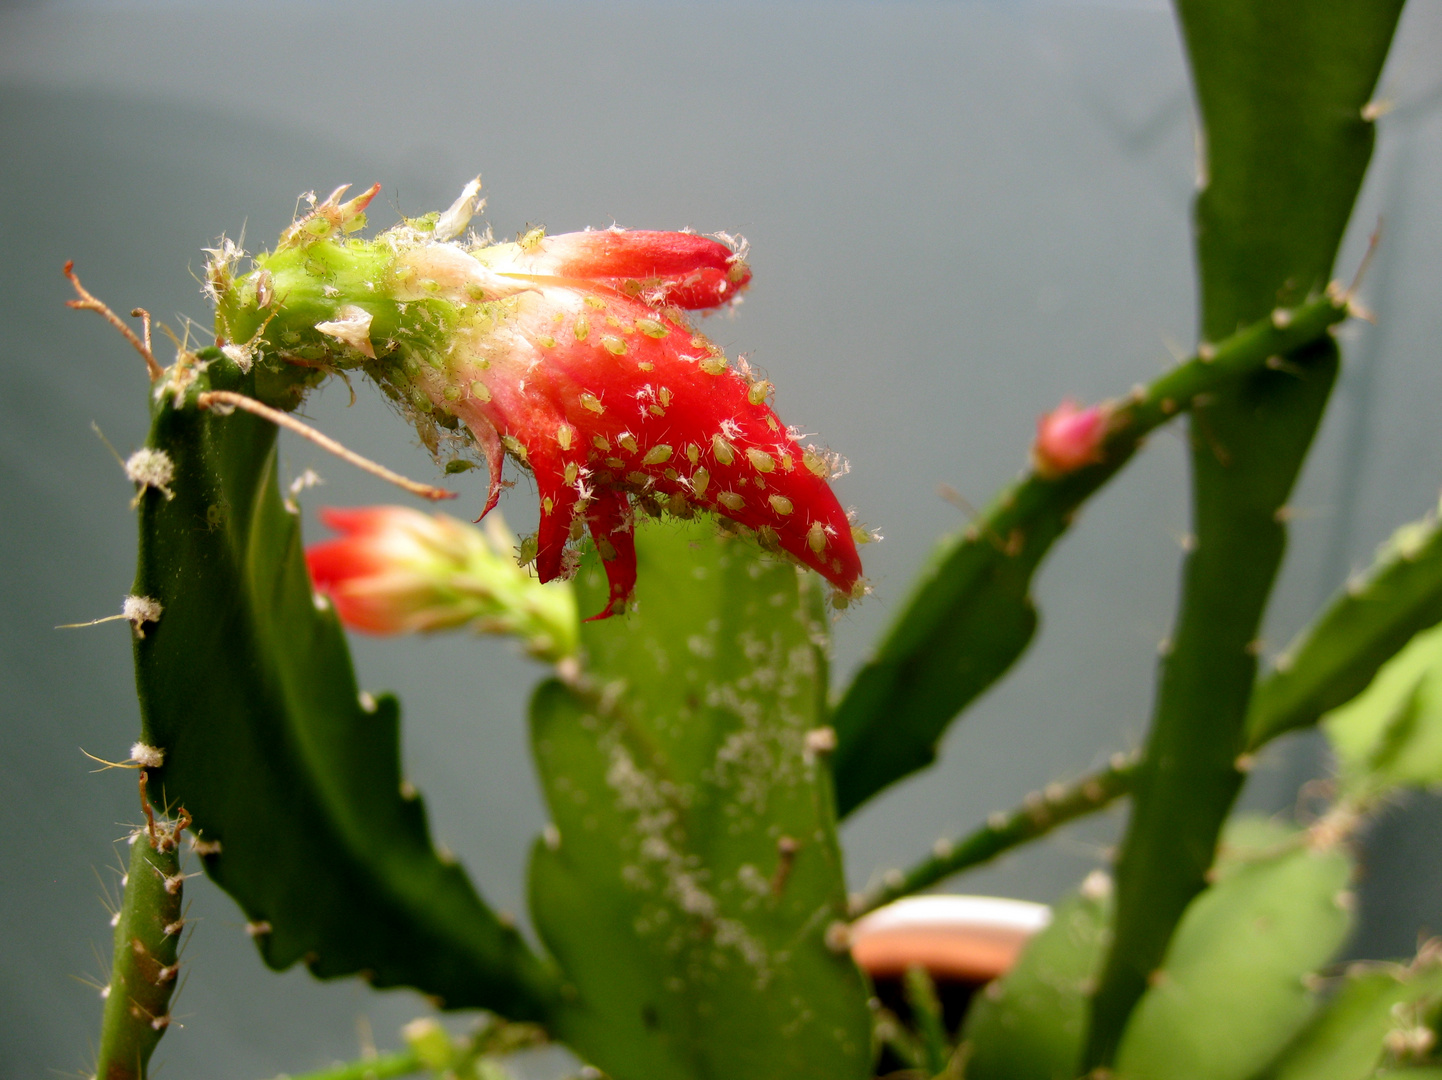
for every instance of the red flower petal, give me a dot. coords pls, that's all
(359, 520)
(614, 533)
(606, 398)
(336, 561)
(660, 268)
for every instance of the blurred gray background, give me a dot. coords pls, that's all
(960, 213)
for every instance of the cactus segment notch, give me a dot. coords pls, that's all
(275, 751)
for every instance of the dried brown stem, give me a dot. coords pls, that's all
(88, 302)
(325, 442)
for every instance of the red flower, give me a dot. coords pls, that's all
(585, 369)
(1068, 438)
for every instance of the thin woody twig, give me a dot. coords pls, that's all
(149, 814)
(325, 442)
(1038, 814)
(144, 317)
(88, 302)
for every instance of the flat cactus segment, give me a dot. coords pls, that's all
(1189, 777)
(1390, 736)
(1330, 664)
(145, 965)
(1368, 622)
(1282, 89)
(1232, 990)
(970, 613)
(292, 775)
(690, 887)
(1371, 1020)
(1030, 1023)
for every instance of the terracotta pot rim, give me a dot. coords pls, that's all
(968, 938)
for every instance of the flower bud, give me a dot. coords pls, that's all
(1068, 438)
(396, 570)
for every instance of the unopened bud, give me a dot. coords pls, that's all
(1069, 438)
(397, 570)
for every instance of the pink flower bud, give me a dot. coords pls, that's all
(1068, 438)
(658, 268)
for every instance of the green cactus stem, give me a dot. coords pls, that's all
(970, 615)
(690, 886)
(1328, 665)
(926, 1014)
(248, 687)
(1192, 774)
(1282, 89)
(1365, 625)
(1039, 814)
(145, 964)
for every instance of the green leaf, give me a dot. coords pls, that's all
(1029, 1024)
(1367, 623)
(1346, 1040)
(1281, 87)
(1391, 735)
(692, 873)
(1232, 990)
(249, 690)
